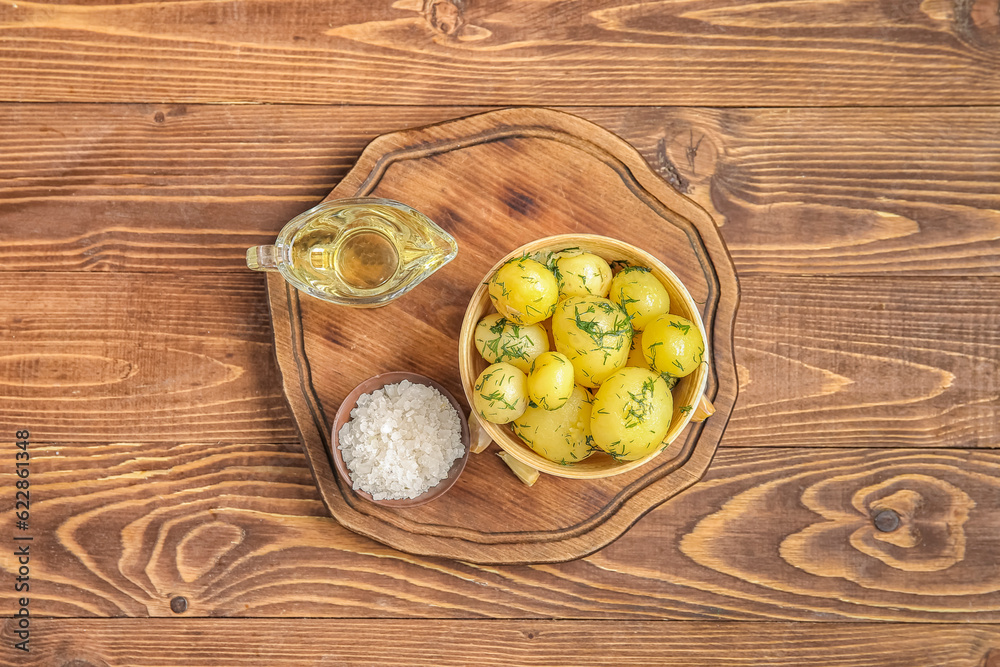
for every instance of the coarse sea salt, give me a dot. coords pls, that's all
(401, 441)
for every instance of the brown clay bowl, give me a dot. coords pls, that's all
(344, 415)
(690, 403)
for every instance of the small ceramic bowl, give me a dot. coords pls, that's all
(344, 415)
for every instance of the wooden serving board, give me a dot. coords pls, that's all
(495, 181)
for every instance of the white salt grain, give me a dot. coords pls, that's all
(401, 441)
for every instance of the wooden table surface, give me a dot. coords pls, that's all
(849, 151)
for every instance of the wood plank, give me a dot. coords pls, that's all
(791, 534)
(836, 191)
(107, 357)
(189, 642)
(705, 52)
(833, 361)
(797, 191)
(898, 362)
(769, 534)
(152, 187)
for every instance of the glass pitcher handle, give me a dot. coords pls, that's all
(262, 258)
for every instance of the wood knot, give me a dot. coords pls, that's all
(445, 16)
(686, 156)
(88, 661)
(992, 658)
(974, 21)
(668, 170)
(446, 19)
(981, 18)
(886, 521)
(919, 522)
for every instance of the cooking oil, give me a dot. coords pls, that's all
(357, 252)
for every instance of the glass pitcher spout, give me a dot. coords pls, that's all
(361, 252)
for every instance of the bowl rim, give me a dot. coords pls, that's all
(521, 451)
(343, 416)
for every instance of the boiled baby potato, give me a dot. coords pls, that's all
(641, 294)
(550, 380)
(498, 339)
(631, 413)
(561, 435)
(581, 273)
(673, 345)
(638, 360)
(501, 393)
(595, 334)
(524, 291)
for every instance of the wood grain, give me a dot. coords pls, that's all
(820, 549)
(92, 357)
(190, 642)
(773, 534)
(706, 52)
(846, 362)
(902, 362)
(837, 191)
(797, 191)
(848, 151)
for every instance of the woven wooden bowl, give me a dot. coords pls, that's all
(689, 392)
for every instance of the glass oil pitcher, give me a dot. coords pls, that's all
(361, 252)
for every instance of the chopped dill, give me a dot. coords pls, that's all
(652, 353)
(684, 328)
(625, 300)
(606, 338)
(497, 396)
(671, 380)
(639, 408)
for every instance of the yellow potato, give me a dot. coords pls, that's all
(524, 291)
(550, 380)
(581, 273)
(631, 413)
(561, 435)
(501, 393)
(595, 334)
(498, 339)
(641, 294)
(673, 345)
(638, 360)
